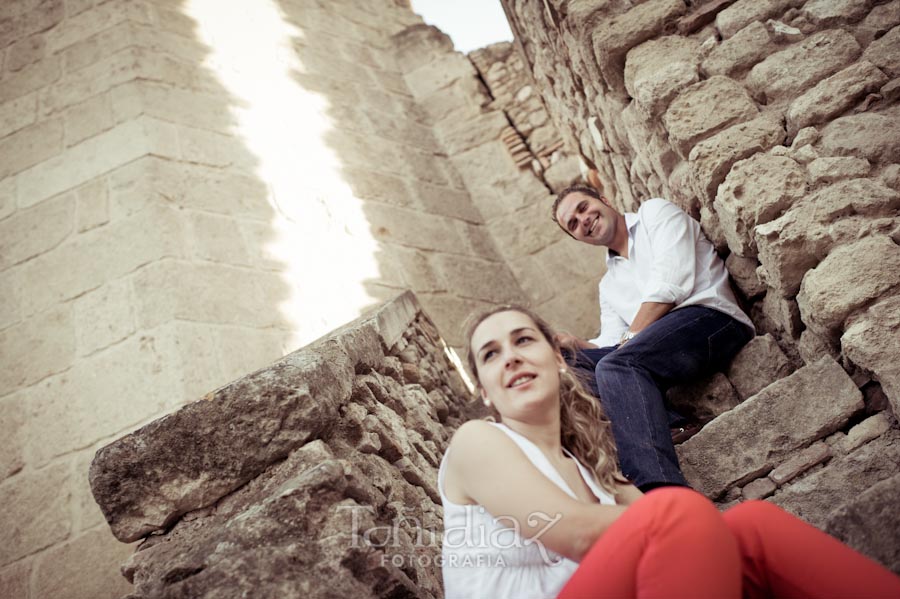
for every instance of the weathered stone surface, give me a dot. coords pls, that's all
(658, 69)
(818, 495)
(828, 13)
(782, 315)
(873, 136)
(478, 279)
(740, 52)
(12, 425)
(797, 464)
(884, 52)
(812, 347)
(798, 240)
(870, 341)
(869, 522)
(805, 406)
(705, 399)
(758, 489)
(33, 511)
(835, 168)
(705, 109)
(743, 273)
(462, 135)
(847, 280)
(793, 69)
(35, 230)
(756, 191)
(879, 21)
(619, 33)
(759, 364)
(15, 579)
(712, 159)
(37, 348)
(412, 43)
(743, 12)
(834, 95)
(870, 428)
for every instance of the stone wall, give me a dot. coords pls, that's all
(313, 477)
(188, 192)
(776, 124)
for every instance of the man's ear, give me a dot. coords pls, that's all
(606, 201)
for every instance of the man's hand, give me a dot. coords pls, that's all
(572, 343)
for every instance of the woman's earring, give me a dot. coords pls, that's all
(487, 402)
(562, 370)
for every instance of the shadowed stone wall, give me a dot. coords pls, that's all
(776, 124)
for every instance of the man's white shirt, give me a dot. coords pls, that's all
(669, 261)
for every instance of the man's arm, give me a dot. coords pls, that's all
(647, 314)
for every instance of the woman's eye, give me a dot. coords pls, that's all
(488, 355)
(524, 339)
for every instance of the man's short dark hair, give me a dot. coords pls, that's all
(579, 188)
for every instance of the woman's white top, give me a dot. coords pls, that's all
(486, 557)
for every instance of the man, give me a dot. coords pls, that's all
(667, 316)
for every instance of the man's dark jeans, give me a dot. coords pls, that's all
(631, 381)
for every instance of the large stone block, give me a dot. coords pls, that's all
(30, 145)
(17, 114)
(756, 191)
(884, 52)
(95, 20)
(104, 316)
(797, 67)
(835, 168)
(744, 12)
(870, 341)
(734, 55)
(15, 579)
(34, 17)
(172, 104)
(89, 563)
(12, 425)
(33, 511)
(438, 74)
(834, 95)
(525, 231)
(445, 201)
(35, 230)
(37, 347)
(217, 238)
(31, 78)
(752, 438)
(879, 21)
(848, 279)
(795, 242)
(619, 33)
(459, 136)
(705, 109)
(869, 523)
(829, 13)
(91, 205)
(874, 136)
(478, 279)
(658, 69)
(102, 254)
(413, 228)
(759, 364)
(712, 159)
(816, 497)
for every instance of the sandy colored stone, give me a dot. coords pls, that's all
(462, 135)
(87, 119)
(744, 12)
(750, 439)
(758, 489)
(525, 231)
(416, 45)
(870, 341)
(785, 73)
(834, 95)
(12, 424)
(217, 238)
(445, 201)
(35, 230)
(705, 109)
(884, 52)
(17, 114)
(870, 428)
(879, 21)
(818, 495)
(756, 191)
(848, 279)
(743, 273)
(829, 13)
(657, 70)
(868, 523)
(104, 316)
(783, 313)
(874, 136)
(37, 347)
(704, 400)
(760, 363)
(712, 159)
(795, 242)
(477, 279)
(797, 464)
(440, 73)
(30, 146)
(243, 350)
(617, 34)
(77, 564)
(740, 52)
(15, 578)
(25, 52)
(92, 205)
(34, 511)
(31, 78)
(835, 168)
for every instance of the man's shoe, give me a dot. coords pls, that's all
(683, 433)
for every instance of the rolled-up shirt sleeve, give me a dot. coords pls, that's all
(673, 239)
(612, 327)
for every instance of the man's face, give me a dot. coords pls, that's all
(588, 219)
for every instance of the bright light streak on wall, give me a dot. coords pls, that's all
(319, 231)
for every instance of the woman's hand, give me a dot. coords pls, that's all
(572, 342)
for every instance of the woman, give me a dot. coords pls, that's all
(535, 507)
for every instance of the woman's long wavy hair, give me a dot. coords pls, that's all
(584, 428)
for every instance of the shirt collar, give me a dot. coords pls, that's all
(631, 221)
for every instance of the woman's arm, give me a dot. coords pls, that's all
(490, 470)
(627, 494)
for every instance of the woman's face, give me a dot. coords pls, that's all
(517, 367)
